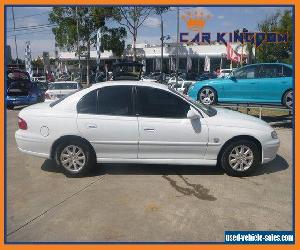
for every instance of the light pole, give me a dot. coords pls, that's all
(162, 39)
(78, 46)
(177, 46)
(16, 46)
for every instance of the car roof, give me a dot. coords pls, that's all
(133, 83)
(58, 82)
(70, 102)
(277, 63)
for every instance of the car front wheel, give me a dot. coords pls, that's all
(75, 158)
(207, 96)
(240, 158)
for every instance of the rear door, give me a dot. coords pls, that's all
(165, 132)
(105, 118)
(275, 79)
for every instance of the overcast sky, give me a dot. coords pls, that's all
(224, 19)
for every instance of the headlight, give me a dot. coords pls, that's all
(274, 135)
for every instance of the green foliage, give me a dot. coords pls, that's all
(90, 19)
(133, 18)
(282, 52)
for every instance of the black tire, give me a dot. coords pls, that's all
(90, 158)
(288, 98)
(209, 90)
(225, 158)
(10, 107)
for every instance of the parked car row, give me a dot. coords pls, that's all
(267, 83)
(21, 90)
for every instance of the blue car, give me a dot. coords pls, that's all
(21, 91)
(264, 83)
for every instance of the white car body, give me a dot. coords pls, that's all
(137, 139)
(55, 94)
(172, 80)
(39, 79)
(181, 85)
(224, 73)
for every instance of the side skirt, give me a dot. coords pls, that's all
(160, 161)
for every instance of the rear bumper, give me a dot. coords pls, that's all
(33, 146)
(270, 150)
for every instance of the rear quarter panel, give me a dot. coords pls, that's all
(43, 128)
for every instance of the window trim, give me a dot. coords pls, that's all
(98, 102)
(94, 90)
(155, 117)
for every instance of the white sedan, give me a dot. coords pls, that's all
(61, 89)
(142, 122)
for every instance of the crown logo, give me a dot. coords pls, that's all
(195, 20)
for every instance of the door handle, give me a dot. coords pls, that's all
(252, 82)
(91, 126)
(149, 129)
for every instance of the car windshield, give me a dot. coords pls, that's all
(65, 85)
(210, 111)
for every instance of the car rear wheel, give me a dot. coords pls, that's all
(288, 99)
(207, 96)
(75, 158)
(240, 158)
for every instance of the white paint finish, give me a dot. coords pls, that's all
(141, 139)
(160, 161)
(172, 138)
(111, 136)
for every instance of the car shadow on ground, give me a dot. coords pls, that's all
(277, 165)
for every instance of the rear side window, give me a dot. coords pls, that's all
(273, 71)
(153, 102)
(287, 72)
(115, 100)
(88, 103)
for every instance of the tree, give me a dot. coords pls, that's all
(89, 20)
(281, 52)
(133, 18)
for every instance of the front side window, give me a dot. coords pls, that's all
(153, 102)
(249, 72)
(115, 100)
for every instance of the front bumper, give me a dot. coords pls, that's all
(270, 150)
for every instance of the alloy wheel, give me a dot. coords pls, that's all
(207, 96)
(241, 158)
(73, 158)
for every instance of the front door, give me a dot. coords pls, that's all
(105, 118)
(165, 132)
(244, 86)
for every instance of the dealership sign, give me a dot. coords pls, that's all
(195, 22)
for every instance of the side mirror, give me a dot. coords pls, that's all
(193, 114)
(232, 77)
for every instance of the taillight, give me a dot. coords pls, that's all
(22, 124)
(47, 96)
